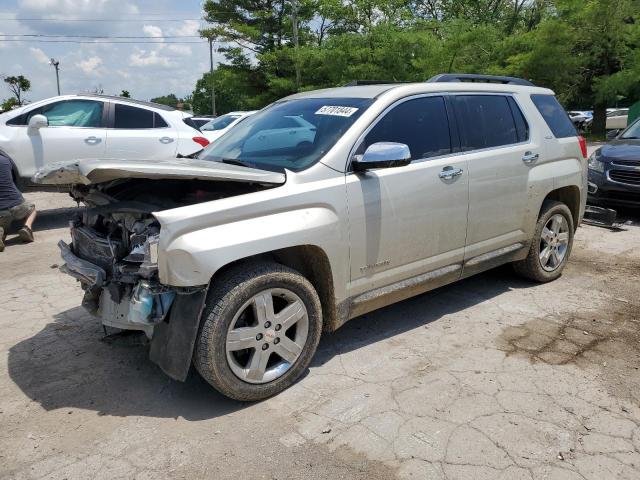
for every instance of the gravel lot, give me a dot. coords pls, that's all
(491, 378)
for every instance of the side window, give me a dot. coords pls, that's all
(132, 117)
(557, 119)
(486, 121)
(66, 113)
(158, 121)
(522, 127)
(421, 123)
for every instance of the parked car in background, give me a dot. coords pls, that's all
(614, 170)
(200, 120)
(217, 127)
(580, 118)
(288, 132)
(617, 119)
(71, 127)
(238, 259)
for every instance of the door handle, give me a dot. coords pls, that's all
(92, 140)
(166, 140)
(530, 157)
(448, 173)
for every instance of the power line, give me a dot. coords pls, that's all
(98, 42)
(22, 19)
(39, 35)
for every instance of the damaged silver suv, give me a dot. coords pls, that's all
(317, 209)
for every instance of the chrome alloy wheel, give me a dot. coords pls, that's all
(554, 241)
(267, 335)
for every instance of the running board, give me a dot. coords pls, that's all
(383, 296)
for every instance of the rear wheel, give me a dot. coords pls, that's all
(260, 329)
(551, 244)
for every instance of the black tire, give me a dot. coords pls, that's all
(531, 267)
(229, 293)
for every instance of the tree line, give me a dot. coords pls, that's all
(585, 50)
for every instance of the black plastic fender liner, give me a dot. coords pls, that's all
(173, 339)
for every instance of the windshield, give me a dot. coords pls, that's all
(633, 131)
(292, 134)
(221, 122)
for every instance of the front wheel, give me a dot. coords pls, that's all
(260, 328)
(551, 244)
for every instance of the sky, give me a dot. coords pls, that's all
(145, 70)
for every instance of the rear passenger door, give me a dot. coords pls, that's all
(409, 220)
(139, 133)
(500, 152)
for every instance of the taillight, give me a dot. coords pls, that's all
(201, 141)
(583, 146)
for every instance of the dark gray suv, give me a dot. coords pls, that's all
(614, 170)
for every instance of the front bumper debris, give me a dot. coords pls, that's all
(86, 272)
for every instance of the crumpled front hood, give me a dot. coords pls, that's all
(90, 171)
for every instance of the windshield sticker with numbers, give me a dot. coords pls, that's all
(337, 111)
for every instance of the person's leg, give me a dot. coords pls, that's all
(26, 213)
(5, 222)
(26, 232)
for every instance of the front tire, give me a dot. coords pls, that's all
(260, 329)
(551, 244)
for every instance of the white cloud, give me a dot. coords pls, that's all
(188, 27)
(39, 55)
(76, 8)
(145, 70)
(144, 59)
(90, 65)
(184, 50)
(152, 30)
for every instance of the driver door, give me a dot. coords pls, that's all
(412, 220)
(75, 131)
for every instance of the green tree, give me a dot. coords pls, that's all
(18, 85)
(170, 100)
(8, 104)
(586, 50)
(125, 94)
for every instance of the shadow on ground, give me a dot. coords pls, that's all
(66, 365)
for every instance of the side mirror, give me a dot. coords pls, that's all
(382, 155)
(38, 121)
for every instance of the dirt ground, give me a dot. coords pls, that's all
(491, 378)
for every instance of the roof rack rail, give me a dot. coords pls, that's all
(472, 77)
(355, 83)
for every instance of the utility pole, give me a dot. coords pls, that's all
(294, 21)
(55, 64)
(213, 88)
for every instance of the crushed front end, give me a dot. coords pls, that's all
(114, 253)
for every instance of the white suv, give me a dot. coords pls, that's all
(238, 259)
(71, 127)
(218, 126)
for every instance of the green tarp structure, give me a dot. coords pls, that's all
(634, 112)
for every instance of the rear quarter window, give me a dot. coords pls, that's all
(554, 115)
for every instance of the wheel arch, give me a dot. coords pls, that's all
(312, 262)
(570, 196)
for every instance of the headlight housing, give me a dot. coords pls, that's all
(595, 163)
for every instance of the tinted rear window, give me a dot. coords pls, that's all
(555, 116)
(486, 121)
(133, 117)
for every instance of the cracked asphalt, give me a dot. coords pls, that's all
(490, 378)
